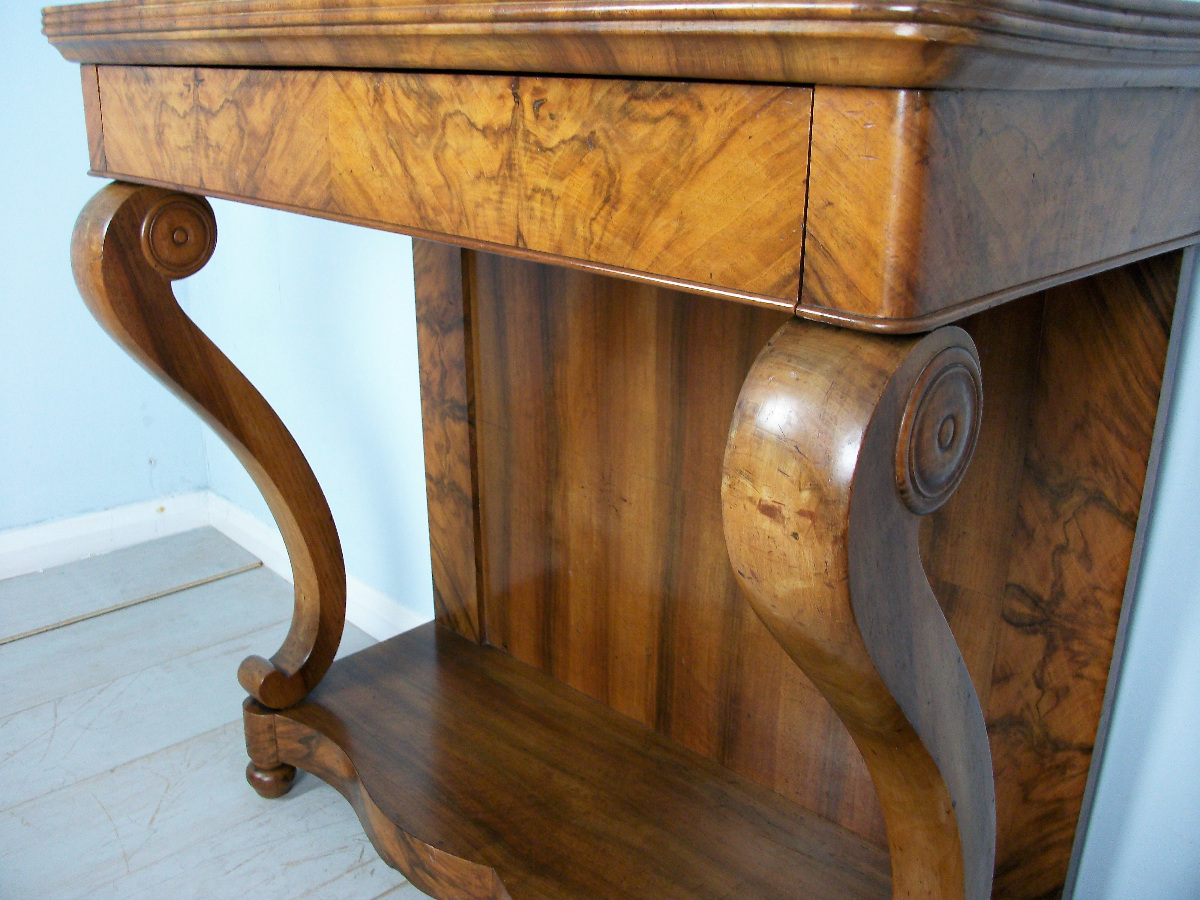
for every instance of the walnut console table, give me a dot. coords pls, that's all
(698, 283)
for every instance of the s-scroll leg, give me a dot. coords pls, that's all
(840, 442)
(130, 243)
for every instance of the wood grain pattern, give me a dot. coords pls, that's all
(1103, 349)
(701, 183)
(527, 789)
(966, 545)
(928, 43)
(930, 205)
(602, 413)
(576, 423)
(446, 356)
(90, 77)
(839, 443)
(602, 417)
(604, 526)
(598, 439)
(129, 244)
(1150, 496)
(266, 773)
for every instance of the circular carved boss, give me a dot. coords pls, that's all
(179, 234)
(939, 429)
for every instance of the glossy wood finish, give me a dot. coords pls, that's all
(446, 353)
(598, 440)
(602, 414)
(266, 773)
(601, 446)
(1150, 495)
(90, 77)
(1104, 343)
(696, 183)
(129, 244)
(929, 43)
(575, 424)
(926, 206)
(480, 777)
(967, 543)
(838, 444)
(923, 207)
(624, 591)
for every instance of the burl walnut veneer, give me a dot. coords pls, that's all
(792, 375)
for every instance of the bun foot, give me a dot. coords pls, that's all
(271, 783)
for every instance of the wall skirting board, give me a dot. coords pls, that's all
(42, 546)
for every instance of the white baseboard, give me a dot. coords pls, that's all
(376, 613)
(37, 547)
(243, 528)
(373, 611)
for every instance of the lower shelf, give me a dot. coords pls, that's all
(478, 776)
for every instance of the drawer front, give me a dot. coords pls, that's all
(929, 206)
(698, 184)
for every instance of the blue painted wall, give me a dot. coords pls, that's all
(1144, 839)
(82, 428)
(320, 317)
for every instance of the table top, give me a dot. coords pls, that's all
(1003, 44)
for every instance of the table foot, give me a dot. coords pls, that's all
(270, 783)
(266, 772)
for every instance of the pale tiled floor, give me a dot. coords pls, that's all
(121, 751)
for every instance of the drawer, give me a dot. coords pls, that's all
(699, 185)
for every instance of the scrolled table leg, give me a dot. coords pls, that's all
(130, 243)
(840, 441)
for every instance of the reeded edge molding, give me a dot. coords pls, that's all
(1165, 24)
(928, 43)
